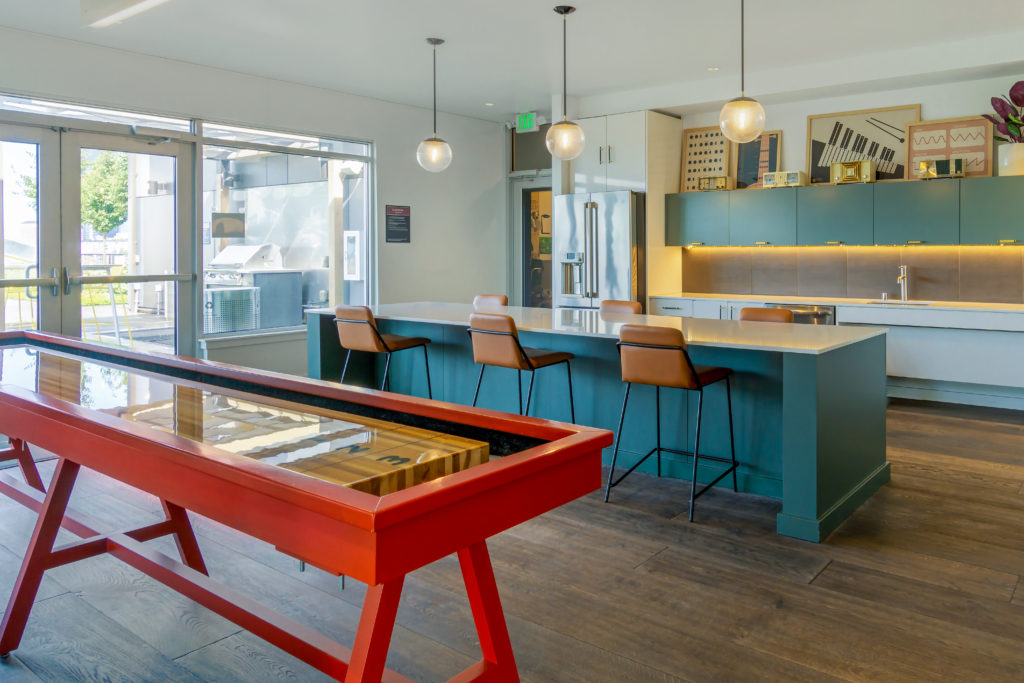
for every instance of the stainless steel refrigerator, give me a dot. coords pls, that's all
(598, 244)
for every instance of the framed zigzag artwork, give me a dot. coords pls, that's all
(970, 138)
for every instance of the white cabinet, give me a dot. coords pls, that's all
(615, 154)
(671, 306)
(716, 309)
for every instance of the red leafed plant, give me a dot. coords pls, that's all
(1009, 110)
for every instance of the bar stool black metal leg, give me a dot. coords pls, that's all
(519, 386)
(618, 440)
(479, 379)
(572, 407)
(657, 423)
(426, 364)
(344, 368)
(529, 394)
(732, 436)
(387, 366)
(696, 451)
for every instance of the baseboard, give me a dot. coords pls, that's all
(956, 392)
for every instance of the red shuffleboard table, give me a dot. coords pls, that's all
(361, 483)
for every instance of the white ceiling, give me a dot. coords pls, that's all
(509, 53)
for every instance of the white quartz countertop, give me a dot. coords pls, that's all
(833, 301)
(757, 336)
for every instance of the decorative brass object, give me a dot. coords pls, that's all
(862, 171)
(940, 168)
(784, 179)
(714, 183)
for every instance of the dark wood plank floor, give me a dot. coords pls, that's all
(922, 583)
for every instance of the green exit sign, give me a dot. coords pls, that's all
(527, 123)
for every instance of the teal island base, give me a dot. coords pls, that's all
(810, 427)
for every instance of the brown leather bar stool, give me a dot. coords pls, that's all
(766, 315)
(489, 300)
(657, 356)
(613, 306)
(496, 342)
(357, 331)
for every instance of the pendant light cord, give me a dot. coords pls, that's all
(565, 23)
(435, 91)
(743, 61)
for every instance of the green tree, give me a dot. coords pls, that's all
(105, 191)
(30, 190)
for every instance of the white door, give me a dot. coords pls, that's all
(127, 245)
(30, 297)
(626, 151)
(530, 241)
(711, 308)
(589, 168)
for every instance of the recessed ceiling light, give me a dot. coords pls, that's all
(488, 104)
(712, 68)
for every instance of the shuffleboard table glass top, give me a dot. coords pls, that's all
(360, 452)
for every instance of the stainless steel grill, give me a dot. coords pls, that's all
(231, 309)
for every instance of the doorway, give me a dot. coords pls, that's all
(90, 237)
(536, 226)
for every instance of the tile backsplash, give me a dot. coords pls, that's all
(946, 273)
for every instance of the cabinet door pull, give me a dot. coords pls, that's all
(915, 241)
(834, 242)
(1007, 241)
(672, 308)
(695, 244)
(600, 154)
(762, 244)
(609, 154)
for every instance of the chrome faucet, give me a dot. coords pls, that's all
(903, 282)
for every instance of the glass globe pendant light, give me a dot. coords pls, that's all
(742, 119)
(564, 139)
(434, 154)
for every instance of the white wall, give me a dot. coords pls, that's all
(459, 220)
(961, 98)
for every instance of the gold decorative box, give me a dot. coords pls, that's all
(714, 183)
(940, 168)
(862, 171)
(783, 179)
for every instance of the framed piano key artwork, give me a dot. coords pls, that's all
(751, 160)
(875, 134)
(705, 155)
(968, 137)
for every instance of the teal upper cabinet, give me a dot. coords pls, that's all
(697, 218)
(992, 210)
(835, 214)
(762, 216)
(917, 212)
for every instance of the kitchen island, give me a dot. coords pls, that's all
(808, 401)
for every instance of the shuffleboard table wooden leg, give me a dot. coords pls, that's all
(38, 555)
(487, 613)
(376, 624)
(185, 537)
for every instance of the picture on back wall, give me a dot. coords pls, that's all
(875, 134)
(705, 155)
(970, 138)
(751, 160)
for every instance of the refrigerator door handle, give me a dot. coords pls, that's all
(594, 256)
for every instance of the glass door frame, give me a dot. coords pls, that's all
(48, 218)
(71, 276)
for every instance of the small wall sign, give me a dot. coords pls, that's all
(397, 223)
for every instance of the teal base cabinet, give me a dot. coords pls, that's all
(917, 212)
(835, 214)
(810, 429)
(697, 218)
(762, 217)
(992, 210)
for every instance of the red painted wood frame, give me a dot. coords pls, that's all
(376, 540)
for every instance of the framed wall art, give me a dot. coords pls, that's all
(705, 155)
(968, 137)
(751, 160)
(875, 134)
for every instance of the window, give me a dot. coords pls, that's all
(79, 111)
(283, 231)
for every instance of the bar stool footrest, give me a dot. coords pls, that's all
(717, 479)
